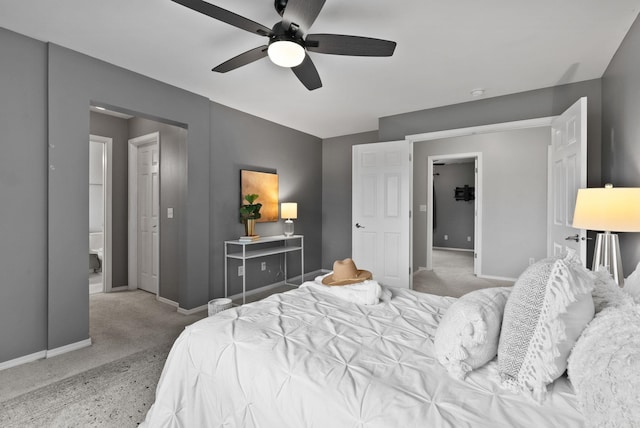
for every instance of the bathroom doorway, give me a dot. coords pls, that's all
(100, 213)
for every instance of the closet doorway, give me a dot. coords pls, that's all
(100, 213)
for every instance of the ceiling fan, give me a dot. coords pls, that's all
(288, 39)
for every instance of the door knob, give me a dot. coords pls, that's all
(576, 238)
(358, 226)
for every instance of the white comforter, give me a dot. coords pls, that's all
(308, 359)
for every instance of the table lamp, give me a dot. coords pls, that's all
(609, 210)
(288, 210)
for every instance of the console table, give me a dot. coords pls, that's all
(243, 250)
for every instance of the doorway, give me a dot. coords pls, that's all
(512, 190)
(144, 212)
(454, 188)
(100, 213)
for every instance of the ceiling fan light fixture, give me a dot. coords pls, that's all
(286, 53)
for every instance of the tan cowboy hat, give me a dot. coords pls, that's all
(345, 273)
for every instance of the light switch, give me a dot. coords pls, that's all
(423, 208)
(169, 212)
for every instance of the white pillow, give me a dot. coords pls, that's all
(467, 336)
(632, 284)
(604, 368)
(606, 292)
(548, 308)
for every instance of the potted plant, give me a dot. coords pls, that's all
(249, 213)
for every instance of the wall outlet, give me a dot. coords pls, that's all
(531, 261)
(263, 266)
(468, 239)
(423, 208)
(446, 237)
(240, 271)
(169, 212)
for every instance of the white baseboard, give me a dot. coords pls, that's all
(23, 360)
(470, 250)
(68, 348)
(498, 278)
(167, 301)
(192, 311)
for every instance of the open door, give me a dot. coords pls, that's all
(381, 226)
(144, 212)
(567, 174)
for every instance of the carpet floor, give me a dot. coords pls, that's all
(452, 275)
(116, 394)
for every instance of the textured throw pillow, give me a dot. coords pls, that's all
(606, 292)
(467, 336)
(548, 308)
(632, 284)
(604, 368)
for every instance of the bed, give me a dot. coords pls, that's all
(305, 358)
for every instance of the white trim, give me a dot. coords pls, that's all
(68, 348)
(483, 129)
(23, 360)
(498, 278)
(453, 249)
(107, 195)
(192, 311)
(120, 288)
(134, 143)
(477, 221)
(167, 301)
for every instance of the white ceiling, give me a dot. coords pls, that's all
(445, 49)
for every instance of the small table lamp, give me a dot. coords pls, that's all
(288, 210)
(611, 210)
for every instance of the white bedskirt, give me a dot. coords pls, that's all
(308, 359)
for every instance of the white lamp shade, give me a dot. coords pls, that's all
(289, 210)
(610, 209)
(286, 53)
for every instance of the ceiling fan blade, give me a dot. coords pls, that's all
(225, 16)
(338, 44)
(308, 74)
(302, 13)
(242, 59)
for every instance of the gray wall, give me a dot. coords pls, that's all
(173, 193)
(620, 130)
(524, 105)
(514, 198)
(117, 129)
(336, 195)
(241, 141)
(75, 80)
(45, 94)
(23, 192)
(454, 218)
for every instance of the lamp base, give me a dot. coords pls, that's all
(288, 227)
(607, 254)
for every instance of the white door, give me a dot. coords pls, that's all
(568, 173)
(381, 211)
(148, 219)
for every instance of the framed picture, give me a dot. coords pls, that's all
(265, 185)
